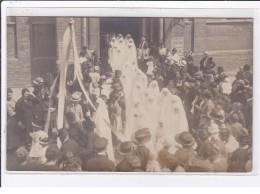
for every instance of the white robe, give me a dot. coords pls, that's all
(121, 54)
(112, 55)
(103, 128)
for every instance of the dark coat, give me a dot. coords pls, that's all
(76, 132)
(24, 113)
(100, 163)
(143, 153)
(71, 145)
(130, 163)
(15, 135)
(239, 159)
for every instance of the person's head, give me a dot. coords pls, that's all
(52, 153)
(143, 38)
(70, 117)
(100, 144)
(220, 70)
(89, 126)
(237, 106)
(242, 137)
(234, 118)
(207, 150)
(246, 67)
(25, 93)
(91, 70)
(174, 50)
(118, 73)
(203, 133)
(185, 139)
(9, 93)
(75, 97)
(207, 95)
(21, 155)
(162, 45)
(224, 133)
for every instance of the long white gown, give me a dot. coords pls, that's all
(112, 54)
(172, 116)
(102, 127)
(121, 53)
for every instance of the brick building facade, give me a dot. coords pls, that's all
(34, 43)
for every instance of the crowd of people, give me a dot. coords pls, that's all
(148, 110)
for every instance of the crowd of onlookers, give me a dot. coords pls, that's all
(219, 115)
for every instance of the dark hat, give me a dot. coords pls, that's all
(185, 138)
(126, 147)
(216, 114)
(52, 152)
(141, 136)
(100, 144)
(38, 81)
(63, 133)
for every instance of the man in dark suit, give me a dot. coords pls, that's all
(68, 144)
(140, 137)
(100, 162)
(75, 129)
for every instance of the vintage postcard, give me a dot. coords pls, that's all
(124, 93)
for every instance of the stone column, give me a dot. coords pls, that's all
(160, 28)
(151, 29)
(143, 27)
(84, 31)
(23, 69)
(94, 34)
(200, 36)
(187, 36)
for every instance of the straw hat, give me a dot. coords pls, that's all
(38, 81)
(75, 97)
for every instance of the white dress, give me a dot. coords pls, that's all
(103, 126)
(37, 150)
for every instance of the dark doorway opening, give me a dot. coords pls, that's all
(117, 26)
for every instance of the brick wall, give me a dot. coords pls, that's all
(19, 69)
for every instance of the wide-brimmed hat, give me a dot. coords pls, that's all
(38, 81)
(75, 97)
(182, 63)
(185, 138)
(126, 147)
(100, 144)
(216, 115)
(141, 136)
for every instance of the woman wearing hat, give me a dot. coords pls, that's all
(186, 152)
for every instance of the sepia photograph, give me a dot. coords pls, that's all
(129, 94)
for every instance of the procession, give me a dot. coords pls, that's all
(145, 109)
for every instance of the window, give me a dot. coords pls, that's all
(44, 37)
(11, 38)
